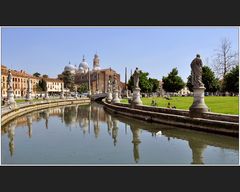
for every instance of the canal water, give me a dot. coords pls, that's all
(87, 134)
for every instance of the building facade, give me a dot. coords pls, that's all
(54, 85)
(98, 77)
(20, 83)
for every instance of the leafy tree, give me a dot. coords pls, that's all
(211, 83)
(68, 79)
(36, 74)
(144, 83)
(231, 81)
(83, 88)
(189, 83)
(155, 84)
(42, 85)
(38, 88)
(45, 76)
(173, 82)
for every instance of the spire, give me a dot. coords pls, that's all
(83, 58)
(69, 63)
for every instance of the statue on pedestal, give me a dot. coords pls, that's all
(198, 107)
(29, 89)
(115, 90)
(109, 90)
(10, 94)
(9, 80)
(136, 90)
(196, 67)
(136, 76)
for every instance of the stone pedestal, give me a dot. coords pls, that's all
(46, 95)
(198, 105)
(115, 97)
(136, 97)
(29, 96)
(120, 95)
(89, 93)
(62, 95)
(109, 97)
(10, 97)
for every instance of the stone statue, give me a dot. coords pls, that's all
(136, 90)
(109, 84)
(196, 72)
(10, 80)
(115, 81)
(198, 107)
(29, 85)
(136, 75)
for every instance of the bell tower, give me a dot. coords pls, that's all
(96, 65)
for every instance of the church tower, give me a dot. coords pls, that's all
(96, 65)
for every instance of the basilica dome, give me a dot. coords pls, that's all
(83, 66)
(71, 68)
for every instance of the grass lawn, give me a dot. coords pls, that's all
(217, 104)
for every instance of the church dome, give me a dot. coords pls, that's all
(70, 67)
(83, 64)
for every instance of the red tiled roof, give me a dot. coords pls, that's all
(53, 80)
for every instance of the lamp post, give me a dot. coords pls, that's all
(89, 83)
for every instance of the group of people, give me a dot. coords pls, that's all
(4, 100)
(169, 106)
(154, 103)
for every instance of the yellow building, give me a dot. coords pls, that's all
(19, 82)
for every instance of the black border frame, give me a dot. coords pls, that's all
(118, 13)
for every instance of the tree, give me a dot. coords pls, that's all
(42, 85)
(45, 76)
(225, 59)
(36, 74)
(209, 80)
(38, 88)
(83, 88)
(155, 84)
(231, 81)
(68, 79)
(173, 82)
(144, 83)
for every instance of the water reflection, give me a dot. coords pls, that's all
(136, 141)
(87, 117)
(11, 133)
(197, 148)
(29, 124)
(115, 131)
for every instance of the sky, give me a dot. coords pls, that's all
(156, 50)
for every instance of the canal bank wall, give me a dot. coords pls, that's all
(209, 122)
(8, 114)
